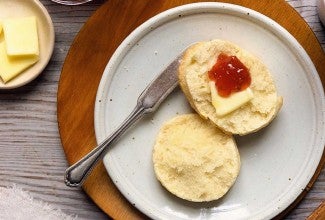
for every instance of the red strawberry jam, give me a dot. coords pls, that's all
(230, 75)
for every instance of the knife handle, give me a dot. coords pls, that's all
(76, 174)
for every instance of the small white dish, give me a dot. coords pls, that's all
(277, 162)
(18, 8)
(71, 2)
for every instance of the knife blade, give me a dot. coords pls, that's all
(148, 101)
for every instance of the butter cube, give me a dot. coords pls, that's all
(21, 36)
(223, 105)
(10, 67)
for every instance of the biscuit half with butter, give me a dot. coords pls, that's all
(195, 160)
(243, 112)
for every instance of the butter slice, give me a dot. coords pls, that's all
(223, 105)
(10, 67)
(21, 36)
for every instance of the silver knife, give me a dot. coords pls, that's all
(148, 102)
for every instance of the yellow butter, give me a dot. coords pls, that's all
(21, 36)
(0, 28)
(223, 105)
(10, 67)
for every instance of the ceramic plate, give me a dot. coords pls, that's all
(277, 162)
(19, 8)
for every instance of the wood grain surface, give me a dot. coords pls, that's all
(31, 152)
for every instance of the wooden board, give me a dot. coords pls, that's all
(85, 63)
(319, 213)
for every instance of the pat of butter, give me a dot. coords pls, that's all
(223, 105)
(21, 36)
(11, 66)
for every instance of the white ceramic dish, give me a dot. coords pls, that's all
(277, 162)
(71, 2)
(19, 8)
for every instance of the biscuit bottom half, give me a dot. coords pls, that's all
(194, 160)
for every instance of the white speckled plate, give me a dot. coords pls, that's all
(22, 8)
(277, 162)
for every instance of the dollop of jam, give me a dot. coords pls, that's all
(230, 75)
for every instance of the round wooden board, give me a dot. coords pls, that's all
(85, 63)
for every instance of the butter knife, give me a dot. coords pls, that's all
(147, 102)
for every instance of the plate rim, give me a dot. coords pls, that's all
(189, 9)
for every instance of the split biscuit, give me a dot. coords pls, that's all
(195, 160)
(194, 81)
